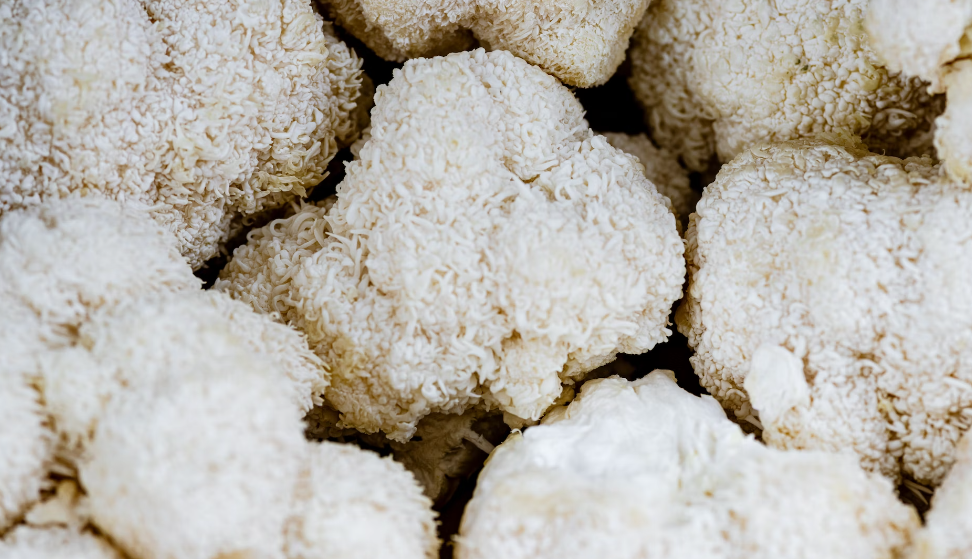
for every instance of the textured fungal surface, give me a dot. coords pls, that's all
(147, 340)
(257, 304)
(27, 542)
(484, 248)
(355, 504)
(826, 291)
(581, 42)
(26, 445)
(948, 528)
(716, 77)
(919, 38)
(65, 258)
(931, 40)
(197, 466)
(662, 169)
(645, 469)
(202, 110)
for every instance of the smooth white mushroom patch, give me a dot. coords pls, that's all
(198, 465)
(645, 469)
(948, 528)
(352, 503)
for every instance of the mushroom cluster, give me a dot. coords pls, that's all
(485, 279)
